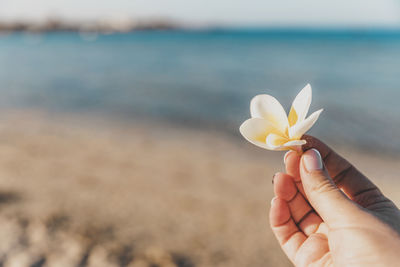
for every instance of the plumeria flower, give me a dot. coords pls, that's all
(270, 128)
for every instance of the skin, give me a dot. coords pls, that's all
(334, 216)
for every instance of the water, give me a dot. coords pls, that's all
(208, 78)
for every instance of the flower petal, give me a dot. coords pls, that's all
(300, 106)
(256, 130)
(276, 141)
(267, 107)
(297, 131)
(295, 143)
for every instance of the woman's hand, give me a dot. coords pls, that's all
(327, 213)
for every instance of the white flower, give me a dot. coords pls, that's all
(270, 128)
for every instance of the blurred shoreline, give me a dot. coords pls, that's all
(204, 127)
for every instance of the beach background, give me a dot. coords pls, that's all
(123, 149)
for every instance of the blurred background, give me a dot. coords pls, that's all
(119, 142)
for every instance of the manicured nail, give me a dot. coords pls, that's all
(272, 200)
(312, 160)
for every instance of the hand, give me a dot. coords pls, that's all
(326, 213)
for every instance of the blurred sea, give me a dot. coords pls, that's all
(207, 78)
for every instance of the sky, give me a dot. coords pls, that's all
(313, 13)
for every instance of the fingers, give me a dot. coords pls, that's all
(328, 200)
(312, 251)
(358, 187)
(288, 234)
(301, 212)
(292, 162)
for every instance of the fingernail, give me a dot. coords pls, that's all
(272, 200)
(285, 156)
(273, 177)
(312, 160)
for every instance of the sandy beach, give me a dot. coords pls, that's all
(90, 192)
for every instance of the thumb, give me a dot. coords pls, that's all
(334, 207)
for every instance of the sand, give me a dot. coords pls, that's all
(84, 191)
